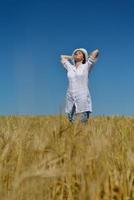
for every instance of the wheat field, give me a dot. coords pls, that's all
(48, 158)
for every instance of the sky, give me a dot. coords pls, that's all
(33, 35)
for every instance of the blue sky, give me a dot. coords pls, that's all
(33, 35)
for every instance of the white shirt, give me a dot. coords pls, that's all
(78, 91)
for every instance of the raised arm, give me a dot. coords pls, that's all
(66, 57)
(93, 56)
(65, 61)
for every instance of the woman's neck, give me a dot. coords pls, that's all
(78, 63)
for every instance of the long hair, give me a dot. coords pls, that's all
(84, 60)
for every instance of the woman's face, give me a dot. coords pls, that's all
(78, 56)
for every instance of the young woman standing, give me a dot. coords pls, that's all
(78, 99)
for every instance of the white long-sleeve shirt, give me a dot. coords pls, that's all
(78, 91)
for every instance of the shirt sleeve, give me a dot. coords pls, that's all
(66, 64)
(90, 63)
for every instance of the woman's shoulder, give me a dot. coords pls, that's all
(85, 65)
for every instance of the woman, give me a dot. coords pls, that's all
(78, 99)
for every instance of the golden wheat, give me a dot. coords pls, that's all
(47, 158)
